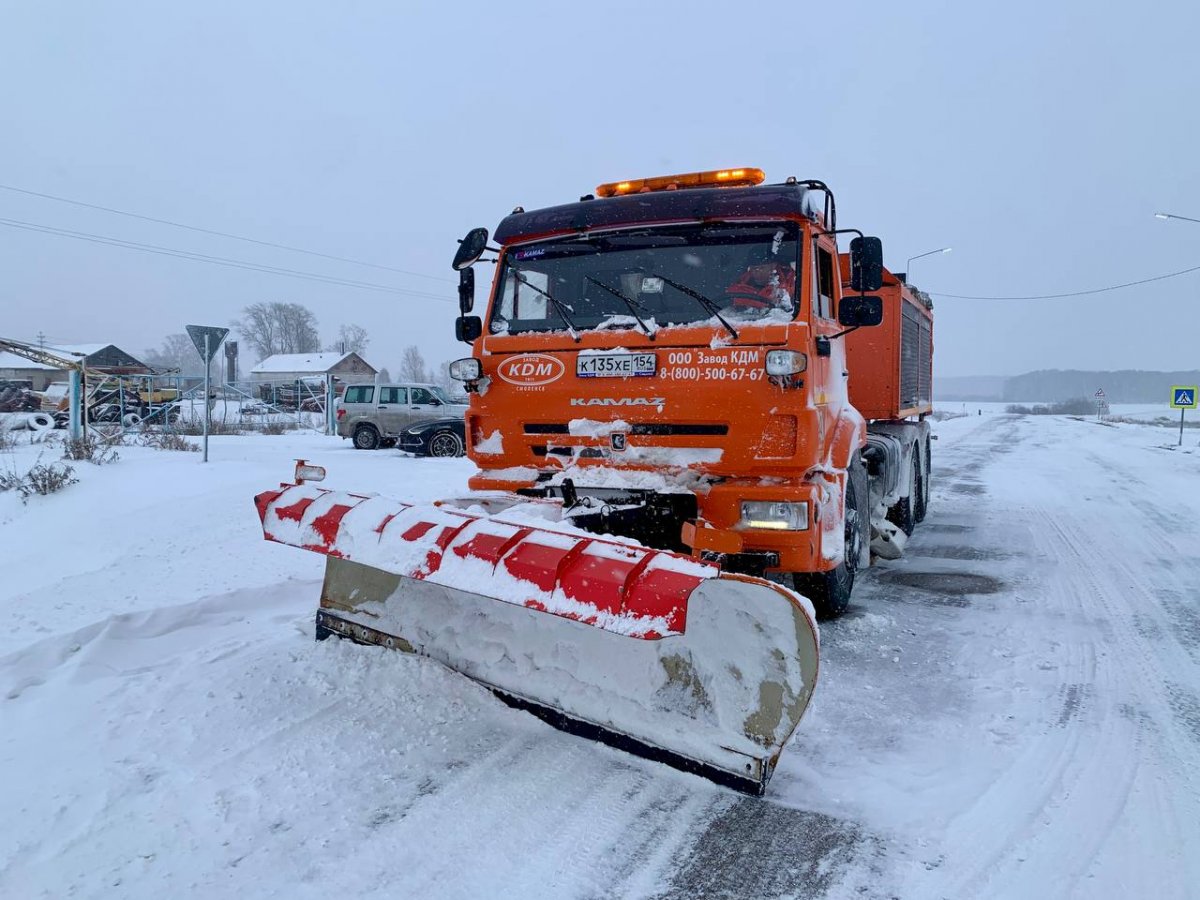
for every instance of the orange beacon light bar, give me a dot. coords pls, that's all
(715, 178)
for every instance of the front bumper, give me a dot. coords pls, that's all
(716, 536)
(412, 443)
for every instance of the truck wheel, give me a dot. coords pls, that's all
(921, 493)
(830, 591)
(445, 443)
(903, 513)
(919, 500)
(366, 437)
(924, 510)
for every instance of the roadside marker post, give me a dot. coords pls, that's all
(207, 339)
(1100, 402)
(1183, 397)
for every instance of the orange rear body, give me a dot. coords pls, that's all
(891, 364)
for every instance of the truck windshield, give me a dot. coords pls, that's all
(672, 275)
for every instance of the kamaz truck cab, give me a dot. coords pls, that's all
(667, 358)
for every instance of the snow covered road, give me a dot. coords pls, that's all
(1011, 710)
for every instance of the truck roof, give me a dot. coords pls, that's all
(771, 200)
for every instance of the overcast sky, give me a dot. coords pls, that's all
(1036, 139)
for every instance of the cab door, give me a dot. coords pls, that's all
(392, 409)
(828, 374)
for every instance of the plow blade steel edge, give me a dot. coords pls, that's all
(710, 673)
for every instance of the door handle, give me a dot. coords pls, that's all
(381, 407)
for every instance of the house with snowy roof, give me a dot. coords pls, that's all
(303, 366)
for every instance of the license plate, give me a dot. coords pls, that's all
(615, 365)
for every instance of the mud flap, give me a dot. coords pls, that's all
(721, 699)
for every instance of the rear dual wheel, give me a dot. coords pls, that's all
(908, 510)
(922, 506)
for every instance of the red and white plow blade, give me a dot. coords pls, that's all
(645, 649)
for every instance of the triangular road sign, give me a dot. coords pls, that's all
(215, 336)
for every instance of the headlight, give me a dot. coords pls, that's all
(770, 514)
(786, 362)
(468, 369)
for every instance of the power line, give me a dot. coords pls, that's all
(1111, 287)
(215, 260)
(224, 234)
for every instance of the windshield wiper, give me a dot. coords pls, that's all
(630, 303)
(699, 298)
(559, 306)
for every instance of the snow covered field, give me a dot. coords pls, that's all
(1013, 710)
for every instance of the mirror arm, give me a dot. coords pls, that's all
(844, 332)
(838, 231)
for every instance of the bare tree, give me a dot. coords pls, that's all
(177, 352)
(350, 339)
(412, 366)
(272, 328)
(443, 379)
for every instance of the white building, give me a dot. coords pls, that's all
(284, 367)
(22, 370)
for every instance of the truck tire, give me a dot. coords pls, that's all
(903, 513)
(923, 508)
(830, 591)
(366, 437)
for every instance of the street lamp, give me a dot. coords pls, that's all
(1170, 216)
(908, 265)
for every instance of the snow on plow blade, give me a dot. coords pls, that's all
(645, 650)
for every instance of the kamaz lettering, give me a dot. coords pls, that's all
(618, 401)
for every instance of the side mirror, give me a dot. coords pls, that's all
(856, 312)
(470, 248)
(866, 264)
(466, 290)
(468, 328)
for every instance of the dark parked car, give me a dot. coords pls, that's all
(436, 437)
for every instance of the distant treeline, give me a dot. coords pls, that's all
(1057, 385)
(1080, 406)
(1125, 386)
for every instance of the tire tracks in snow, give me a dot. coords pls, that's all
(1084, 787)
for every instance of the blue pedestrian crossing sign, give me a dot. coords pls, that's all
(1183, 396)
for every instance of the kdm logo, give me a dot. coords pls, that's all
(618, 401)
(531, 369)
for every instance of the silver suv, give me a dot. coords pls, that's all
(373, 415)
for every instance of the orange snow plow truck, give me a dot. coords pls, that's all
(694, 422)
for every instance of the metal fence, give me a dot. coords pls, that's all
(176, 403)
